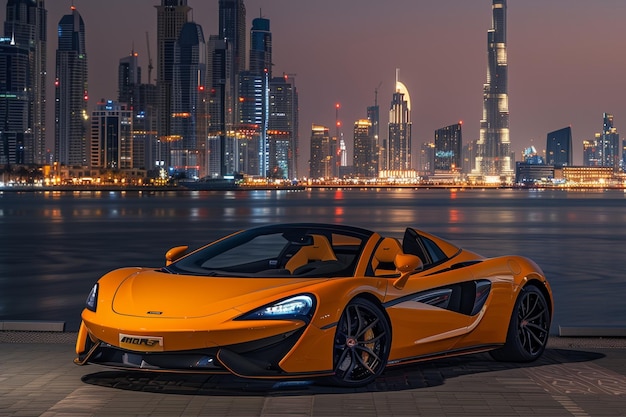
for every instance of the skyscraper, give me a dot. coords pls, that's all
(261, 47)
(142, 102)
(71, 95)
(590, 153)
(494, 157)
(320, 164)
(14, 100)
(23, 89)
(608, 143)
(171, 17)
(559, 147)
(399, 142)
(373, 115)
(448, 148)
(283, 125)
(232, 29)
(189, 109)
(216, 154)
(128, 79)
(365, 150)
(254, 101)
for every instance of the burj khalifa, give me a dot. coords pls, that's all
(493, 159)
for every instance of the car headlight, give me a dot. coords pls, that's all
(298, 307)
(92, 298)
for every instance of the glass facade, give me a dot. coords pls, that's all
(71, 93)
(559, 147)
(448, 148)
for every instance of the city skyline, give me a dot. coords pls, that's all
(560, 74)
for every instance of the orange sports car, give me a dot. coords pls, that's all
(315, 300)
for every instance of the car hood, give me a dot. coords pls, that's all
(151, 293)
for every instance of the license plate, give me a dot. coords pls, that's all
(142, 343)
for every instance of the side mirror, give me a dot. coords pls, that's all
(174, 254)
(407, 265)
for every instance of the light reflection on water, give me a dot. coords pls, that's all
(57, 244)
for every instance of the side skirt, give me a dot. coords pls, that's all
(445, 354)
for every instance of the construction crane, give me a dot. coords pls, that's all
(376, 93)
(150, 66)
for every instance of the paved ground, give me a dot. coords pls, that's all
(576, 377)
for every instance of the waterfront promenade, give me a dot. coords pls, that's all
(576, 377)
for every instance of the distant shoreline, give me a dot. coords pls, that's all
(182, 188)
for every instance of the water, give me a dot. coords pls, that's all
(56, 245)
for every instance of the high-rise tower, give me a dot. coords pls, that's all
(399, 144)
(261, 47)
(559, 147)
(283, 125)
(365, 150)
(254, 101)
(189, 109)
(448, 147)
(171, 17)
(608, 143)
(71, 96)
(232, 30)
(128, 79)
(494, 157)
(23, 107)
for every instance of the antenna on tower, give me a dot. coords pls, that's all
(376, 93)
(397, 77)
(150, 66)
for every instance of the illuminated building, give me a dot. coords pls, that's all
(320, 164)
(469, 156)
(532, 157)
(171, 17)
(146, 142)
(111, 136)
(590, 153)
(365, 163)
(530, 174)
(261, 47)
(559, 147)
(14, 102)
(399, 141)
(494, 158)
(427, 159)
(608, 144)
(283, 125)
(373, 115)
(218, 157)
(448, 146)
(142, 100)
(189, 110)
(23, 84)
(71, 95)
(128, 79)
(232, 30)
(254, 147)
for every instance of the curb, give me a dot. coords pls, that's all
(592, 331)
(32, 326)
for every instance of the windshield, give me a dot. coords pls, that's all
(279, 251)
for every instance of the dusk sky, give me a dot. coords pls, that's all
(567, 60)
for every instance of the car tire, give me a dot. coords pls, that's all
(529, 328)
(361, 344)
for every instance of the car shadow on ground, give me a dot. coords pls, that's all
(400, 378)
